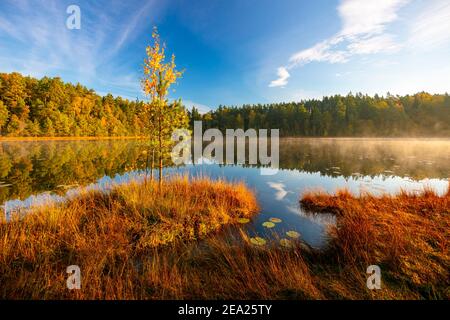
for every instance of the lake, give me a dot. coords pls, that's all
(34, 172)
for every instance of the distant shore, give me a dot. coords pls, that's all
(2, 138)
(68, 138)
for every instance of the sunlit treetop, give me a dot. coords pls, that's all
(159, 74)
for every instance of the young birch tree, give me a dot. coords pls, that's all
(161, 116)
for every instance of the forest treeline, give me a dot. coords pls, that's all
(50, 107)
(421, 114)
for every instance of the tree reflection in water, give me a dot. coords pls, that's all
(34, 167)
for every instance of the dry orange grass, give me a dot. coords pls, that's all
(138, 243)
(109, 236)
(407, 235)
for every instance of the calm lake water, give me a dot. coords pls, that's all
(35, 172)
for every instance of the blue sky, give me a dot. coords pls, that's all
(236, 51)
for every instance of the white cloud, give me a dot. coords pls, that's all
(283, 75)
(362, 17)
(432, 27)
(340, 75)
(381, 43)
(363, 31)
(280, 189)
(319, 53)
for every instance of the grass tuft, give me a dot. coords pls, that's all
(406, 234)
(111, 235)
(142, 242)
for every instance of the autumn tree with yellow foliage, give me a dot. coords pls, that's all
(161, 116)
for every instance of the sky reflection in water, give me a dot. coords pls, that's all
(374, 166)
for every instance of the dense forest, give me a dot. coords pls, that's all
(50, 107)
(421, 114)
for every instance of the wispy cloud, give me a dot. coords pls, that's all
(134, 23)
(320, 52)
(363, 31)
(432, 26)
(10, 29)
(50, 46)
(367, 17)
(381, 43)
(38, 42)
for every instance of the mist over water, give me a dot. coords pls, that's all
(32, 173)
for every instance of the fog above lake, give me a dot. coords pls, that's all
(33, 173)
(33, 167)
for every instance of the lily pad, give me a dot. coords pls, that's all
(268, 224)
(286, 243)
(258, 241)
(243, 220)
(293, 234)
(275, 220)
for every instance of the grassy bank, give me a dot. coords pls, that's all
(134, 244)
(111, 237)
(406, 235)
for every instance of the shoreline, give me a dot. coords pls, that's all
(93, 138)
(182, 255)
(7, 139)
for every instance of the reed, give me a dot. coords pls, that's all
(109, 235)
(406, 235)
(179, 242)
